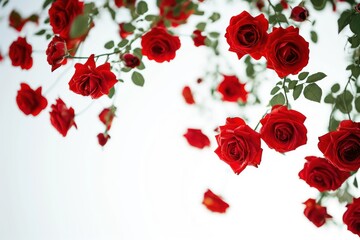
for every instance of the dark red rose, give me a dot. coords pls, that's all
(187, 95)
(122, 32)
(17, 22)
(214, 202)
(125, 3)
(322, 175)
(199, 40)
(177, 12)
(61, 117)
(89, 80)
(351, 216)
(299, 14)
(284, 4)
(247, 35)
(196, 138)
(103, 138)
(286, 51)
(342, 147)
(232, 90)
(20, 54)
(283, 129)
(1, 57)
(260, 4)
(357, 7)
(61, 15)
(316, 213)
(239, 145)
(159, 45)
(30, 101)
(56, 52)
(107, 115)
(130, 60)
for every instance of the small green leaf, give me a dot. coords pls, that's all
(128, 27)
(109, 44)
(314, 36)
(141, 66)
(142, 8)
(214, 17)
(138, 52)
(335, 88)
(278, 99)
(344, 20)
(297, 91)
(46, 3)
(122, 43)
(281, 18)
(329, 99)
(315, 77)
(357, 104)
(48, 36)
(41, 32)
(274, 90)
(333, 124)
(292, 84)
(137, 79)
(151, 17)
(303, 75)
(355, 71)
(111, 92)
(79, 26)
(355, 182)
(355, 24)
(343, 101)
(278, 7)
(214, 34)
(201, 26)
(112, 12)
(313, 92)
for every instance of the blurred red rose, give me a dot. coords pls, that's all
(130, 60)
(125, 3)
(56, 52)
(232, 90)
(284, 4)
(20, 54)
(17, 22)
(177, 12)
(199, 40)
(30, 101)
(351, 216)
(299, 14)
(62, 117)
(187, 95)
(103, 138)
(316, 213)
(107, 115)
(196, 138)
(214, 202)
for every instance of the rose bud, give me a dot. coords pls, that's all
(284, 4)
(56, 52)
(103, 138)
(199, 40)
(316, 213)
(260, 4)
(130, 60)
(299, 14)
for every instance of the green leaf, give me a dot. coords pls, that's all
(335, 88)
(151, 17)
(355, 183)
(201, 26)
(329, 99)
(333, 124)
(214, 34)
(111, 92)
(137, 79)
(313, 92)
(278, 99)
(278, 7)
(314, 36)
(112, 12)
(109, 44)
(142, 8)
(355, 24)
(123, 43)
(354, 40)
(5, 3)
(344, 20)
(141, 66)
(292, 84)
(303, 75)
(315, 77)
(274, 90)
(343, 101)
(48, 36)
(357, 104)
(318, 4)
(355, 70)
(79, 26)
(138, 52)
(215, 16)
(297, 91)
(46, 3)
(282, 18)
(41, 32)
(128, 27)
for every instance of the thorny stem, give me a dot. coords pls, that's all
(273, 7)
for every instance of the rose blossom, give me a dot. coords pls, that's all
(299, 14)
(214, 202)
(56, 52)
(239, 145)
(107, 115)
(322, 175)
(159, 45)
(89, 80)
(130, 60)
(62, 117)
(199, 40)
(286, 51)
(196, 138)
(351, 216)
(20, 54)
(342, 147)
(283, 129)
(187, 95)
(176, 13)
(30, 101)
(103, 138)
(232, 90)
(247, 35)
(316, 213)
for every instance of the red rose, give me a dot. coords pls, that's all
(56, 52)
(103, 138)
(130, 60)
(260, 4)
(322, 175)
(89, 80)
(214, 202)
(286, 51)
(122, 32)
(20, 54)
(342, 147)
(247, 35)
(199, 40)
(107, 115)
(196, 138)
(61, 117)
(316, 213)
(177, 12)
(61, 15)
(284, 4)
(239, 145)
(125, 3)
(159, 45)
(187, 95)
(351, 216)
(283, 129)
(299, 14)
(17, 22)
(30, 101)
(232, 89)
(1, 57)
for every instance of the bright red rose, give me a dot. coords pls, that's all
(214, 202)
(284, 4)
(247, 35)
(107, 115)
(103, 138)
(342, 147)
(187, 95)
(286, 51)
(196, 138)
(130, 60)
(30, 101)
(199, 40)
(122, 32)
(239, 145)
(61, 15)
(17, 22)
(20, 54)
(322, 175)
(232, 90)
(177, 12)
(316, 213)
(283, 129)
(89, 80)
(351, 216)
(299, 14)
(125, 3)
(159, 45)
(56, 52)
(61, 117)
